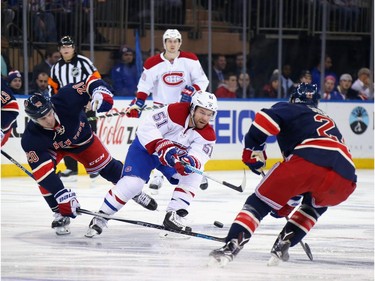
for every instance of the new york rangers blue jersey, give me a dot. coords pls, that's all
(9, 108)
(71, 133)
(305, 131)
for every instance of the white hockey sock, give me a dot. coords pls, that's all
(181, 199)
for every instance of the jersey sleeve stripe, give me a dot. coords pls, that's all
(43, 170)
(266, 124)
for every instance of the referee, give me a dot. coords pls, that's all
(71, 68)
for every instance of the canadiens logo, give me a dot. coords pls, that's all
(359, 120)
(75, 71)
(173, 78)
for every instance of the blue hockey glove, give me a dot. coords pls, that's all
(187, 93)
(102, 99)
(167, 152)
(135, 108)
(190, 160)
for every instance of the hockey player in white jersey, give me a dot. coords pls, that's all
(171, 76)
(169, 137)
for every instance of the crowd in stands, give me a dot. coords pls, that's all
(228, 80)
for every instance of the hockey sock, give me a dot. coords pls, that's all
(125, 190)
(181, 199)
(248, 219)
(51, 201)
(112, 171)
(302, 221)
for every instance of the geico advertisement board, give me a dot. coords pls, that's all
(354, 119)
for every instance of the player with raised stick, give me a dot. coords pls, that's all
(317, 164)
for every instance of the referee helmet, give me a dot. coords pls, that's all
(66, 40)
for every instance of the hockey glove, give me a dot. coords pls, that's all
(102, 99)
(288, 208)
(255, 159)
(167, 152)
(187, 93)
(135, 108)
(68, 203)
(187, 159)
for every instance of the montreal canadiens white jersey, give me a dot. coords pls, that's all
(165, 79)
(171, 122)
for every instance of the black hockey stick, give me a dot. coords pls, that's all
(152, 225)
(305, 246)
(239, 188)
(10, 158)
(121, 113)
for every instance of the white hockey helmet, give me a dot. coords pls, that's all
(204, 99)
(171, 33)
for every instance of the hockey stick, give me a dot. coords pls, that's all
(239, 188)
(305, 246)
(121, 113)
(152, 225)
(10, 158)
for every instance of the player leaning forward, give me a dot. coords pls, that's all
(175, 134)
(317, 164)
(59, 128)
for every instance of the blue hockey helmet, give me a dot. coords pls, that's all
(37, 106)
(305, 93)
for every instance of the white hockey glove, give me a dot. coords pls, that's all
(68, 203)
(102, 99)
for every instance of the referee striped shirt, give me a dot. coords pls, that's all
(78, 69)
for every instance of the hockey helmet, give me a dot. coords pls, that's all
(37, 106)
(204, 99)
(171, 33)
(305, 93)
(66, 41)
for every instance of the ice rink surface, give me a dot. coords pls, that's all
(342, 242)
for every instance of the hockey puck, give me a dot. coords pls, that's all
(218, 224)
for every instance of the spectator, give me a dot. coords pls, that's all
(244, 82)
(344, 88)
(363, 83)
(329, 92)
(51, 56)
(15, 82)
(228, 88)
(304, 77)
(270, 90)
(41, 83)
(286, 82)
(238, 65)
(44, 21)
(219, 66)
(316, 71)
(124, 74)
(5, 62)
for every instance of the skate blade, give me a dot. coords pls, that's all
(91, 233)
(173, 236)
(217, 262)
(273, 261)
(62, 230)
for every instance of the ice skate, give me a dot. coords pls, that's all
(146, 201)
(96, 226)
(222, 256)
(175, 220)
(61, 224)
(280, 249)
(68, 176)
(156, 183)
